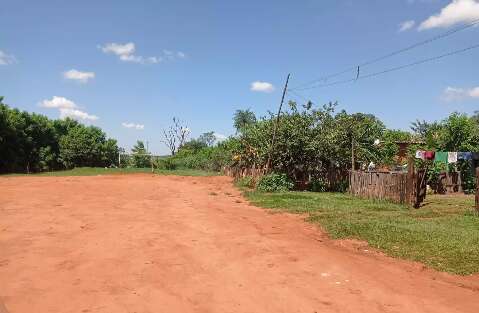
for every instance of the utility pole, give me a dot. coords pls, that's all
(271, 148)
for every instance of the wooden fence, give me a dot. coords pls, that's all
(448, 182)
(477, 189)
(380, 185)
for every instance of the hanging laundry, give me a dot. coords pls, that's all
(429, 155)
(451, 157)
(420, 154)
(440, 157)
(464, 156)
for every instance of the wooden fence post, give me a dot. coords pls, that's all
(410, 182)
(477, 189)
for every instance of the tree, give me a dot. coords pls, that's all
(175, 136)
(87, 146)
(140, 157)
(420, 128)
(208, 138)
(243, 119)
(475, 117)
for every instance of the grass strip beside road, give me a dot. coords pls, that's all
(443, 234)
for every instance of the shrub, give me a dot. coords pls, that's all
(274, 183)
(166, 164)
(317, 185)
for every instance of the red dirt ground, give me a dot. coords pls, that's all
(143, 243)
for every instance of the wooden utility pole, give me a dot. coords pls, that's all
(271, 148)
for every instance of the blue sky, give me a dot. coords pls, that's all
(130, 66)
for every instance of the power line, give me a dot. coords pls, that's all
(391, 54)
(393, 69)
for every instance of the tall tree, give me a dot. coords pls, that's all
(176, 135)
(243, 119)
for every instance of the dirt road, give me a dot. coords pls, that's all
(143, 243)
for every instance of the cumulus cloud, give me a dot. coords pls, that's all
(458, 11)
(79, 76)
(126, 53)
(262, 86)
(457, 94)
(133, 125)
(77, 114)
(6, 59)
(67, 108)
(58, 103)
(406, 25)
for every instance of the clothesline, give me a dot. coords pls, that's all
(449, 157)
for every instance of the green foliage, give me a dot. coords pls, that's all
(166, 164)
(274, 183)
(208, 139)
(245, 182)
(242, 119)
(31, 142)
(87, 146)
(318, 185)
(309, 142)
(139, 157)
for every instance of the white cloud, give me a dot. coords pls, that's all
(457, 94)
(458, 11)
(220, 137)
(133, 125)
(79, 76)
(126, 53)
(77, 114)
(67, 108)
(119, 49)
(262, 86)
(406, 25)
(58, 103)
(6, 59)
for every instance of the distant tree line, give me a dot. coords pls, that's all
(31, 142)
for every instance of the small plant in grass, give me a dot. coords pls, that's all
(274, 183)
(245, 182)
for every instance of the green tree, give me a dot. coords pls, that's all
(208, 138)
(140, 157)
(243, 119)
(87, 146)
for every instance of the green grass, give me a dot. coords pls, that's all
(187, 172)
(94, 171)
(443, 234)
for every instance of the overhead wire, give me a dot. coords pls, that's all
(393, 69)
(391, 54)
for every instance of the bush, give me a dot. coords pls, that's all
(275, 183)
(317, 185)
(166, 164)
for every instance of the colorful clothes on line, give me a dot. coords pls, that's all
(420, 155)
(441, 157)
(451, 157)
(429, 155)
(464, 156)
